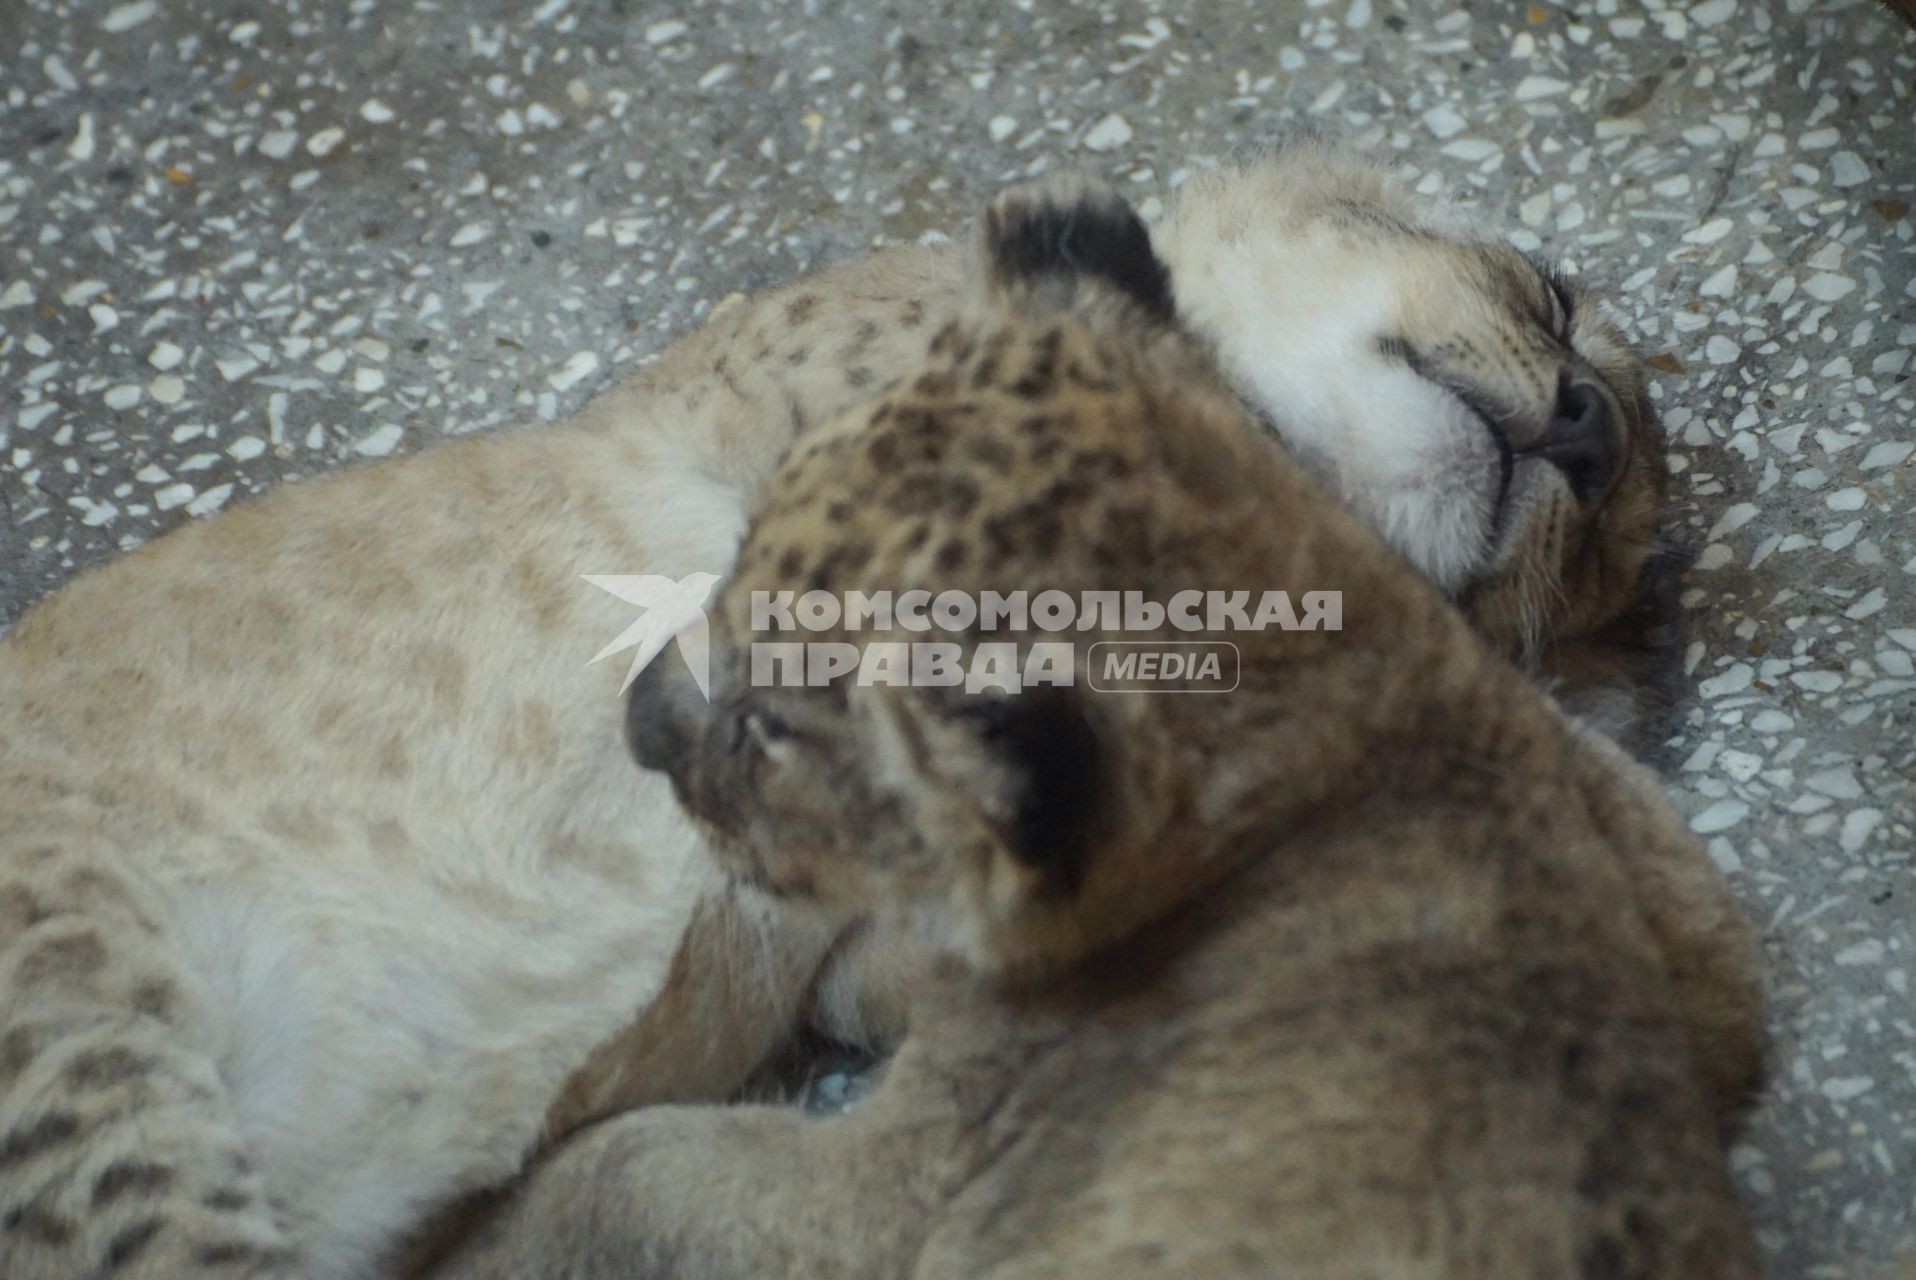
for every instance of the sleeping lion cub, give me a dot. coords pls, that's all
(1340, 973)
(326, 893)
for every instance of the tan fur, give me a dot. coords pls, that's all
(313, 819)
(338, 756)
(1352, 972)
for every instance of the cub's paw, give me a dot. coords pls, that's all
(1061, 236)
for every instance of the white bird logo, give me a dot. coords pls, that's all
(674, 610)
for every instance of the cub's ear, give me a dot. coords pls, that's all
(1055, 240)
(1625, 679)
(1048, 753)
(1025, 768)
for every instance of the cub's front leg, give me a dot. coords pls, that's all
(717, 1193)
(734, 995)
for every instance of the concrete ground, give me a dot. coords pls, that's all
(241, 243)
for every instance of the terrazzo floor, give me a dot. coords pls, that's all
(241, 243)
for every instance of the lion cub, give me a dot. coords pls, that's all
(1340, 973)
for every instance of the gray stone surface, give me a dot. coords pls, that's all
(241, 243)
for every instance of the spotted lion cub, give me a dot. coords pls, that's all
(1341, 973)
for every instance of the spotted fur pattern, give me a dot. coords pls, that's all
(1375, 966)
(326, 891)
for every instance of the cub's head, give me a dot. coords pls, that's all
(1064, 439)
(1475, 408)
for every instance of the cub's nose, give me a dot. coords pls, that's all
(652, 730)
(1581, 438)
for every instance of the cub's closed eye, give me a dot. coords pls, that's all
(757, 728)
(1565, 299)
(773, 737)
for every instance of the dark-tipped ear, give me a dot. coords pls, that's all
(1049, 756)
(1051, 238)
(1025, 767)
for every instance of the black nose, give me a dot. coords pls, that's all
(1581, 440)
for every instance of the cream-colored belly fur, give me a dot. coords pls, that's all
(341, 753)
(412, 875)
